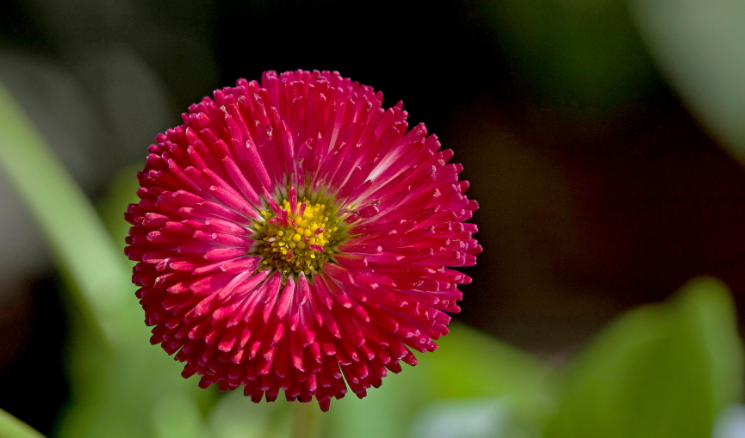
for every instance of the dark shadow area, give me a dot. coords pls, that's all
(33, 329)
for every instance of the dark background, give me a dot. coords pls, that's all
(599, 191)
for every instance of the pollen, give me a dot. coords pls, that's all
(298, 239)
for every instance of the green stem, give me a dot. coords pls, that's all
(86, 255)
(306, 420)
(11, 427)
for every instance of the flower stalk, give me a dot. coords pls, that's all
(306, 421)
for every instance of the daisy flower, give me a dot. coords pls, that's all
(292, 235)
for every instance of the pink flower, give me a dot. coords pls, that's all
(292, 235)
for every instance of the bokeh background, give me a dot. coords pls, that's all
(602, 139)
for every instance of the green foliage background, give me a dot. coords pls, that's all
(663, 370)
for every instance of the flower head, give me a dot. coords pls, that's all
(292, 235)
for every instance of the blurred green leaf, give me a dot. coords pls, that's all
(658, 371)
(96, 272)
(580, 57)
(468, 364)
(117, 385)
(118, 194)
(176, 415)
(472, 364)
(123, 392)
(700, 47)
(132, 389)
(467, 418)
(12, 427)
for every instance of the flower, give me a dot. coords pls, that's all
(292, 235)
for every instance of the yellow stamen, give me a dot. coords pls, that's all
(318, 225)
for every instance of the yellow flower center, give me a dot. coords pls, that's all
(302, 242)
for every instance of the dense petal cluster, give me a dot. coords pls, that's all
(292, 235)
